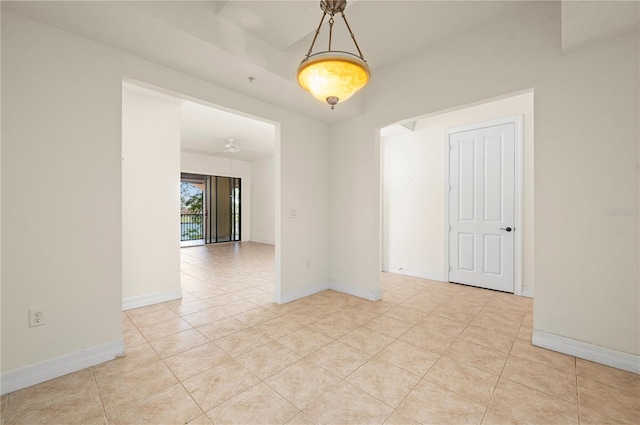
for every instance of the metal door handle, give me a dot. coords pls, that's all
(508, 229)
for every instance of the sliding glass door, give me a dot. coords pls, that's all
(213, 214)
(223, 209)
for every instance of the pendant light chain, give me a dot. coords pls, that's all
(353, 37)
(330, 31)
(331, 22)
(315, 37)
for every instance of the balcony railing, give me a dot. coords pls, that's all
(191, 227)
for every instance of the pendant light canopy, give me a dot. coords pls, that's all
(333, 76)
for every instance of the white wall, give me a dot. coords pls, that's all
(412, 202)
(61, 131)
(413, 176)
(586, 154)
(150, 197)
(263, 198)
(61, 197)
(209, 165)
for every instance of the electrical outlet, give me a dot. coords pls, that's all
(36, 317)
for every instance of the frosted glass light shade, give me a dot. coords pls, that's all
(333, 76)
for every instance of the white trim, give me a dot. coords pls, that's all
(367, 294)
(445, 205)
(150, 299)
(527, 292)
(516, 120)
(26, 376)
(587, 351)
(266, 242)
(413, 273)
(302, 292)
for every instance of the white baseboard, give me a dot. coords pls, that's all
(367, 294)
(296, 294)
(263, 241)
(413, 273)
(26, 376)
(527, 292)
(150, 299)
(587, 351)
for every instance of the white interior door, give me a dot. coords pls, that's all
(482, 207)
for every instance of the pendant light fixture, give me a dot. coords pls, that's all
(333, 76)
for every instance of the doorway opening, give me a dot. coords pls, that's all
(165, 134)
(414, 159)
(210, 209)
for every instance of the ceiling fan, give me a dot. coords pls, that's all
(230, 147)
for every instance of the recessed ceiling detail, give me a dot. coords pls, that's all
(205, 131)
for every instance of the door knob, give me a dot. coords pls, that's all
(508, 229)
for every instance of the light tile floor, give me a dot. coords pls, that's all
(429, 352)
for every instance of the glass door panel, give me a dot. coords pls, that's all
(223, 209)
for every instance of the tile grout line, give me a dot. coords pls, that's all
(95, 383)
(502, 370)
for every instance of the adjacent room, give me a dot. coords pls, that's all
(397, 212)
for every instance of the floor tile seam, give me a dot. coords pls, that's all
(402, 320)
(466, 326)
(182, 350)
(202, 411)
(612, 387)
(128, 402)
(95, 383)
(209, 306)
(485, 306)
(206, 412)
(311, 352)
(484, 328)
(423, 348)
(369, 354)
(224, 336)
(554, 396)
(372, 395)
(389, 335)
(235, 356)
(486, 410)
(542, 363)
(509, 353)
(362, 365)
(420, 378)
(435, 313)
(579, 408)
(3, 414)
(167, 310)
(164, 336)
(400, 367)
(466, 397)
(260, 381)
(207, 323)
(290, 401)
(473, 367)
